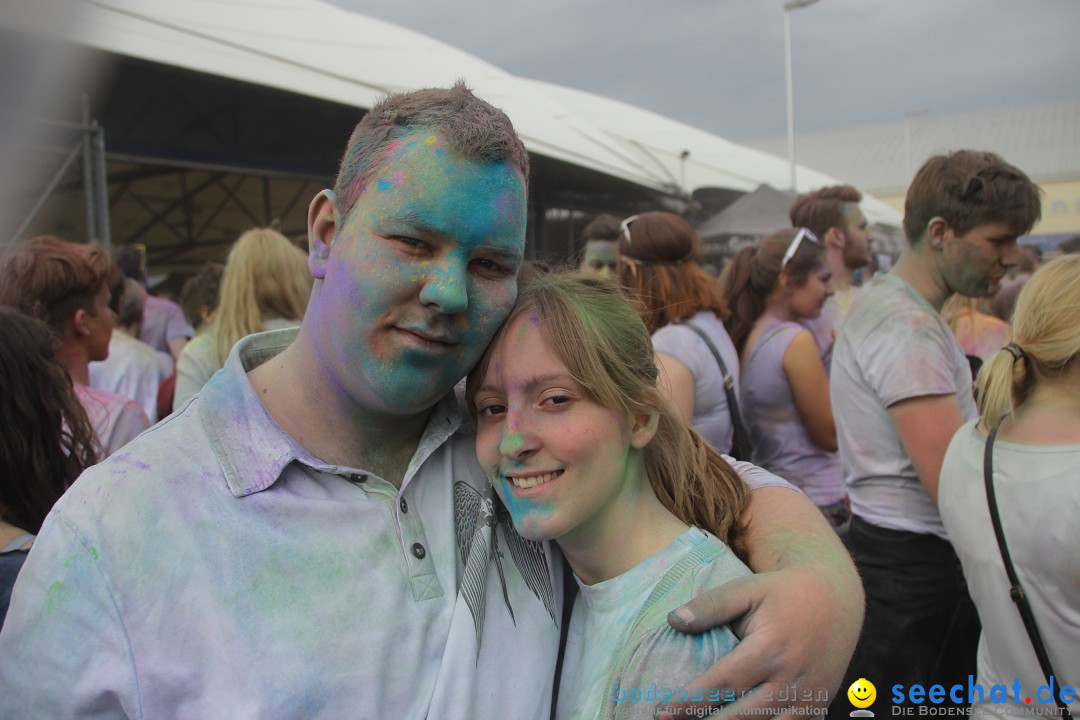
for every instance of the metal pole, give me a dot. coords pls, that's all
(788, 7)
(88, 171)
(101, 188)
(790, 97)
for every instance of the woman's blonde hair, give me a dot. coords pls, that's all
(596, 331)
(1045, 339)
(265, 276)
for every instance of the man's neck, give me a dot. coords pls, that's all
(841, 274)
(328, 424)
(916, 268)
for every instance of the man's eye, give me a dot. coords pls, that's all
(490, 266)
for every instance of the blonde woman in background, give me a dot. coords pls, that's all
(981, 335)
(1030, 397)
(265, 286)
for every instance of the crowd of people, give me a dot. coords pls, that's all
(656, 490)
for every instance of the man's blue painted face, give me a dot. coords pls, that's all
(421, 274)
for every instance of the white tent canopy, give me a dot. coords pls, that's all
(316, 49)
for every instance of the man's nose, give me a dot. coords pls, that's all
(446, 287)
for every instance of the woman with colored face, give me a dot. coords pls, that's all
(770, 288)
(583, 449)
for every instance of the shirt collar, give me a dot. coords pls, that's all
(252, 449)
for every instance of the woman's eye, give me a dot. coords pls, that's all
(557, 400)
(491, 410)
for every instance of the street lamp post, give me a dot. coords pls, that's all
(788, 7)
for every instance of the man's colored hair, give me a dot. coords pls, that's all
(472, 128)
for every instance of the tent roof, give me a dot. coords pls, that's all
(758, 213)
(316, 49)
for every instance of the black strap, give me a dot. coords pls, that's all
(569, 592)
(742, 438)
(1016, 591)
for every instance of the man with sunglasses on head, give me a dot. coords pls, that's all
(833, 215)
(901, 387)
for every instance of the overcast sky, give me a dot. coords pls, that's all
(719, 64)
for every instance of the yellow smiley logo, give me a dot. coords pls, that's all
(862, 693)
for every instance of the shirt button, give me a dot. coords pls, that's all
(419, 551)
(358, 478)
(404, 506)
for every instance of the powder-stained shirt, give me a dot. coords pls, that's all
(215, 569)
(622, 657)
(1036, 490)
(893, 346)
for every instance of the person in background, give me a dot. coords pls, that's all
(1030, 398)
(198, 299)
(601, 252)
(901, 388)
(163, 327)
(133, 368)
(1004, 299)
(769, 289)
(69, 286)
(47, 439)
(658, 254)
(833, 215)
(979, 334)
(265, 286)
(199, 296)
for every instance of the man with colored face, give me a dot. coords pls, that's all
(312, 537)
(601, 238)
(833, 215)
(901, 387)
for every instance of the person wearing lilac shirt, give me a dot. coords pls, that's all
(785, 389)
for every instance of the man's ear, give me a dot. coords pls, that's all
(936, 230)
(644, 428)
(835, 237)
(322, 227)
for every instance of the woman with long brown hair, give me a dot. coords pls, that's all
(770, 287)
(47, 439)
(582, 448)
